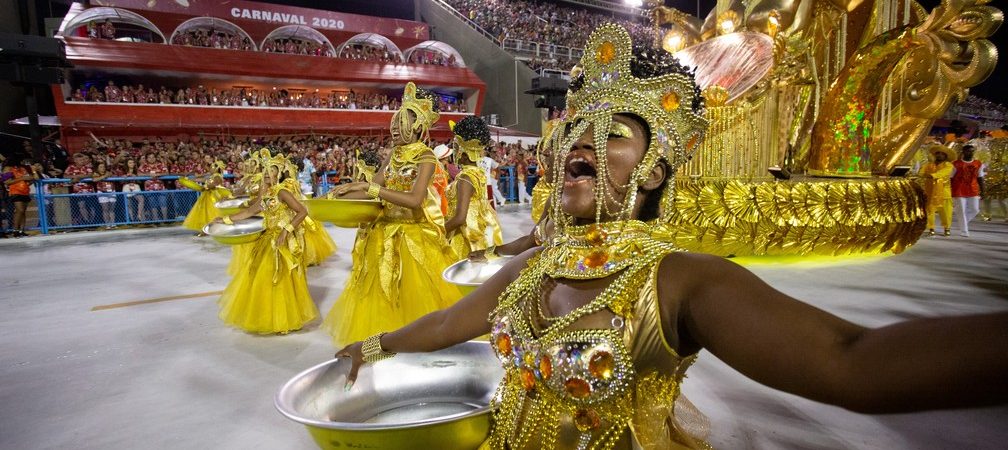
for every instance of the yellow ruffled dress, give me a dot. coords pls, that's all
(318, 244)
(397, 261)
(480, 215)
(269, 293)
(203, 211)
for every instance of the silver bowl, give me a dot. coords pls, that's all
(231, 205)
(437, 400)
(468, 274)
(241, 232)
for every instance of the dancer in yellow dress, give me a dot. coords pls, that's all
(269, 293)
(398, 259)
(471, 213)
(249, 185)
(937, 177)
(203, 211)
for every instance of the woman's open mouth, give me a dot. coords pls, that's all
(579, 167)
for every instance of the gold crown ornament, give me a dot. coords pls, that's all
(282, 164)
(422, 108)
(219, 166)
(667, 99)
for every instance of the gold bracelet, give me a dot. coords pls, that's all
(227, 220)
(373, 351)
(373, 190)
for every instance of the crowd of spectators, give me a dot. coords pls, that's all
(242, 96)
(212, 38)
(293, 46)
(119, 178)
(432, 58)
(101, 30)
(370, 53)
(545, 23)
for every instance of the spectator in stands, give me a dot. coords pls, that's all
(489, 166)
(106, 196)
(80, 169)
(157, 202)
(131, 170)
(108, 30)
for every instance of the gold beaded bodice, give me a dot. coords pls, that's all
(400, 174)
(601, 376)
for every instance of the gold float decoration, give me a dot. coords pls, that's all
(808, 217)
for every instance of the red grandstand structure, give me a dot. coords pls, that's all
(251, 47)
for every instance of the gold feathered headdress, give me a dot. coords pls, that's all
(422, 108)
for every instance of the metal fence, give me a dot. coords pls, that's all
(53, 209)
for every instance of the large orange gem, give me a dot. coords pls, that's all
(586, 419)
(596, 259)
(527, 379)
(577, 387)
(503, 343)
(546, 367)
(601, 365)
(670, 101)
(605, 53)
(595, 235)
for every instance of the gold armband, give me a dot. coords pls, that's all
(227, 220)
(373, 190)
(373, 351)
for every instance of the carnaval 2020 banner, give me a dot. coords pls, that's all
(281, 15)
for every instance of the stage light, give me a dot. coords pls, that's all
(673, 41)
(634, 3)
(727, 26)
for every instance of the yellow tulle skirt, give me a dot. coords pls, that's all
(269, 293)
(318, 244)
(203, 211)
(396, 278)
(238, 253)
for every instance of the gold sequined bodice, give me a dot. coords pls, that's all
(400, 175)
(601, 376)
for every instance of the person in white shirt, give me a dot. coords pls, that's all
(488, 165)
(306, 177)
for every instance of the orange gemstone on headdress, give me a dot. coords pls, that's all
(546, 367)
(577, 387)
(527, 379)
(601, 365)
(503, 343)
(596, 259)
(586, 419)
(605, 53)
(670, 101)
(595, 235)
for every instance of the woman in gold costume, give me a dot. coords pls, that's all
(471, 213)
(203, 211)
(597, 328)
(269, 291)
(398, 259)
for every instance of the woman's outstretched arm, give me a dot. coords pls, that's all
(789, 345)
(467, 319)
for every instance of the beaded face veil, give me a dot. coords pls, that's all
(650, 85)
(422, 109)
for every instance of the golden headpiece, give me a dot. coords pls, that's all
(219, 166)
(422, 108)
(471, 137)
(282, 164)
(650, 85)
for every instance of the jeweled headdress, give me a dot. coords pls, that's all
(422, 108)
(471, 137)
(651, 85)
(282, 164)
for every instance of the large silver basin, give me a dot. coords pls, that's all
(241, 232)
(468, 274)
(437, 400)
(231, 205)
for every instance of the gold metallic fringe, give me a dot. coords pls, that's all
(820, 217)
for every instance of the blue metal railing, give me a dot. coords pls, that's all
(65, 211)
